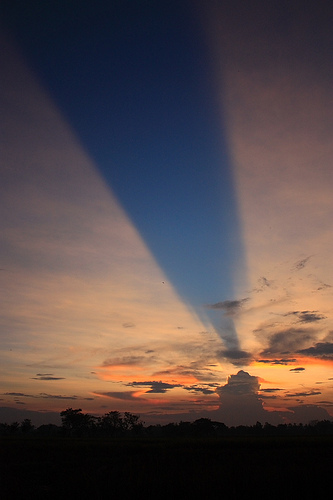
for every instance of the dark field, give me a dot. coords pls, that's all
(287, 467)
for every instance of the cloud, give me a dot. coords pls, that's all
(17, 394)
(324, 286)
(240, 384)
(306, 316)
(55, 396)
(123, 395)
(208, 389)
(239, 401)
(124, 361)
(46, 376)
(236, 356)
(300, 264)
(288, 341)
(323, 350)
(154, 387)
(230, 307)
(302, 394)
(41, 395)
(263, 283)
(299, 369)
(10, 415)
(307, 413)
(283, 361)
(273, 389)
(128, 325)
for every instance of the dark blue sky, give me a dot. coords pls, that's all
(134, 80)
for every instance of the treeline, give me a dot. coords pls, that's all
(114, 424)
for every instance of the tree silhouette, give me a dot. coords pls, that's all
(26, 426)
(111, 423)
(76, 423)
(132, 422)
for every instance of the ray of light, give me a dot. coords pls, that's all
(80, 292)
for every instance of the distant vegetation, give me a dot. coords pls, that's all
(113, 424)
(117, 456)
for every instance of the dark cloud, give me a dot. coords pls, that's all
(240, 403)
(41, 395)
(307, 413)
(18, 394)
(270, 390)
(236, 356)
(210, 389)
(263, 283)
(125, 360)
(288, 341)
(154, 386)
(323, 350)
(283, 361)
(55, 396)
(230, 307)
(193, 370)
(299, 369)
(128, 325)
(306, 316)
(300, 264)
(240, 384)
(46, 376)
(310, 316)
(324, 286)
(123, 395)
(302, 394)
(10, 415)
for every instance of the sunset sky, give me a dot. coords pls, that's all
(166, 209)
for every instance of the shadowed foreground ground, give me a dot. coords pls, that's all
(288, 467)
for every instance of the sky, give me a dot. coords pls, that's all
(166, 177)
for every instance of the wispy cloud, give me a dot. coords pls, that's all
(124, 361)
(41, 395)
(229, 307)
(300, 264)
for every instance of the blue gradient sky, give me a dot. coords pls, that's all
(134, 81)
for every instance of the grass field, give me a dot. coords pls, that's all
(288, 467)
